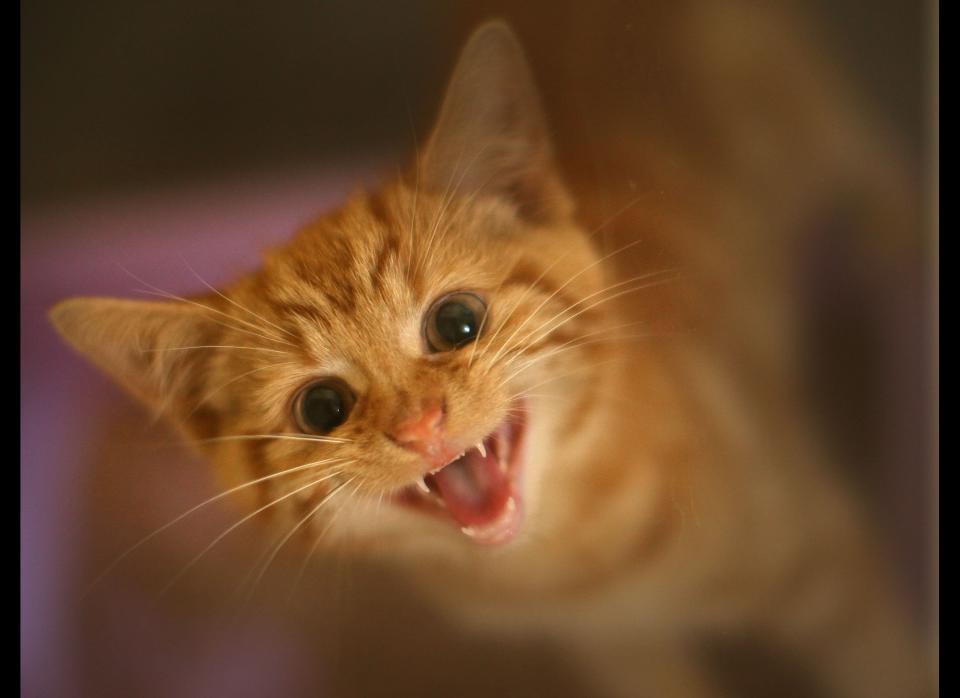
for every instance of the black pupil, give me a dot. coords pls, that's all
(456, 323)
(323, 408)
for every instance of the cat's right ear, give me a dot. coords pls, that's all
(491, 136)
(143, 345)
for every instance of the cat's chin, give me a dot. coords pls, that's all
(479, 491)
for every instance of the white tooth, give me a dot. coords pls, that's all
(483, 451)
(422, 485)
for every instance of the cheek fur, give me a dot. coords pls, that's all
(375, 345)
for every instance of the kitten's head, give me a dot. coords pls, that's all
(413, 360)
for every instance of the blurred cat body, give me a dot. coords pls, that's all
(667, 488)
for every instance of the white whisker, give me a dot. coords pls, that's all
(233, 302)
(575, 343)
(233, 380)
(236, 525)
(289, 437)
(156, 291)
(276, 550)
(140, 543)
(546, 300)
(316, 545)
(607, 299)
(212, 346)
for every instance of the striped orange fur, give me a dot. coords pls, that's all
(672, 490)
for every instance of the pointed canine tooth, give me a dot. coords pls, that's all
(483, 451)
(422, 485)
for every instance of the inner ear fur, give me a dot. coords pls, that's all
(143, 346)
(491, 136)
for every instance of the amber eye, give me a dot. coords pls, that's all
(323, 406)
(454, 321)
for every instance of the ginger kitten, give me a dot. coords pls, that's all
(453, 377)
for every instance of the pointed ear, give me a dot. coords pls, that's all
(491, 136)
(141, 345)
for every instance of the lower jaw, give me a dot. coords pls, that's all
(502, 529)
(491, 479)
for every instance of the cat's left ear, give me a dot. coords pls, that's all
(149, 348)
(491, 135)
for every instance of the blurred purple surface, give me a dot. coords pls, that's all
(83, 249)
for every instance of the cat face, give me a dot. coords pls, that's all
(417, 352)
(413, 370)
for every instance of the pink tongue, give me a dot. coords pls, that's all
(474, 488)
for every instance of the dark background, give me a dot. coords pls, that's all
(127, 95)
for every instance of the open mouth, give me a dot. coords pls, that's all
(478, 490)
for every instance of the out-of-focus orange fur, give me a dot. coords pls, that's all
(673, 490)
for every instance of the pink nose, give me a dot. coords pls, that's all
(422, 433)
